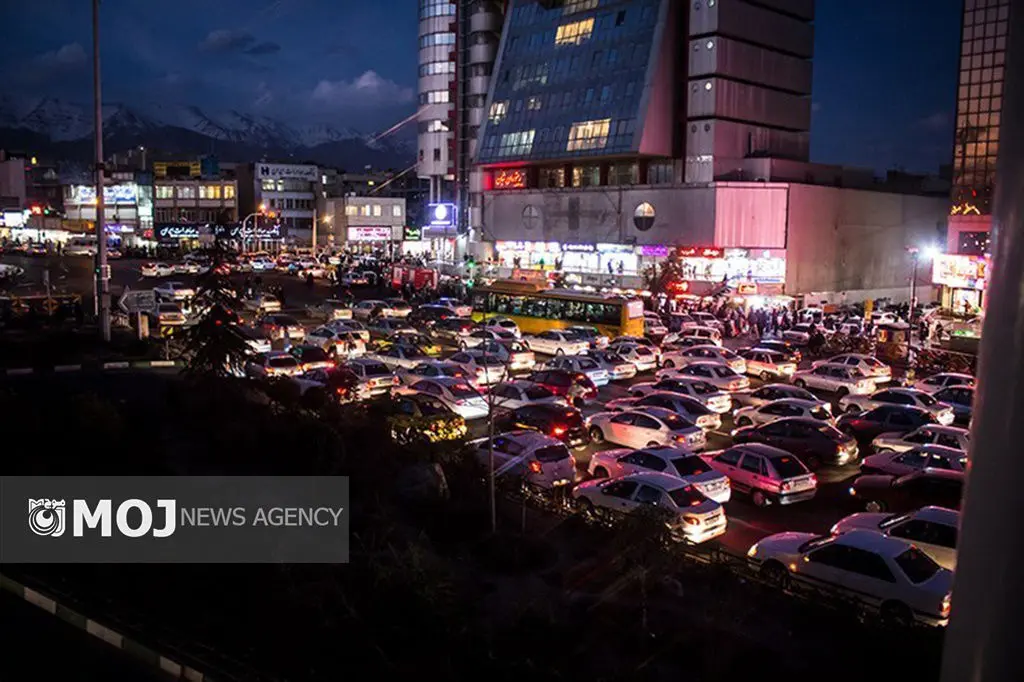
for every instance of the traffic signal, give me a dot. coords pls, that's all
(37, 209)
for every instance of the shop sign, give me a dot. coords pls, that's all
(746, 289)
(699, 252)
(524, 275)
(531, 247)
(85, 195)
(579, 248)
(369, 234)
(171, 232)
(237, 232)
(960, 272)
(737, 253)
(614, 248)
(511, 178)
(648, 251)
(442, 215)
(270, 171)
(634, 309)
(412, 234)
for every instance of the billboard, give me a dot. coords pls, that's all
(443, 215)
(127, 193)
(369, 234)
(960, 272)
(273, 171)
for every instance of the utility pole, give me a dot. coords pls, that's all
(914, 253)
(102, 285)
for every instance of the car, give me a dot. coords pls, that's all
(423, 416)
(353, 279)
(961, 399)
(769, 475)
(311, 357)
(683, 405)
(273, 364)
(868, 365)
(565, 384)
(710, 395)
(168, 314)
(582, 364)
(563, 422)
(174, 291)
(901, 494)
(186, 268)
(591, 335)
(278, 326)
(458, 394)
(618, 367)
(399, 355)
(719, 376)
(399, 307)
(775, 410)
(677, 343)
(330, 310)
(654, 328)
(504, 324)
(539, 460)
(711, 335)
(458, 308)
(485, 369)
(364, 310)
(665, 459)
(791, 352)
(706, 353)
(411, 337)
(556, 342)
(262, 303)
(815, 442)
(638, 340)
(351, 327)
(516, 356)
(948, 436)
(770, 392)
(451, 329)
(517, 393)
(432, 369)
(386, 326)
(937, 382)
(890, 574)
(691, 517)
(680, 322)
(933, 530)
(643, 357)
(914, 459)
(479, 336)
(426, 316)
(156, 270)
(866, 426)
(706, 319)
(339, 381)
(855, 404)
(256, 340)
(768, 365)
(337, 344)
(374, 376)
(838, 379)
(645, 426)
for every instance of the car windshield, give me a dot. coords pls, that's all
(727, 354)
(820, 412)
(722, 372)
(456, 372)
(675, 422)
(313, 354)
(687, 496)
(872, 362)
(916, 565)
(814, 543)
(788, 467)
(517, 348)
(538, 393)
(703, 388)
(552, 453)
(690, 466)
(282, 361)
(926, 400)
(614, 359)
(488, 360)
(585, 333)
(375, 369)
(461, 390)
(587, 364)
(643, 350)
(432, 408)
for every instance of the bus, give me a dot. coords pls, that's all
(536, 308)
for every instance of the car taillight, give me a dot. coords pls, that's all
(947, 603)
(558, 431)
(814, 480)
(786, 486)
(535, 467)
(394, 381)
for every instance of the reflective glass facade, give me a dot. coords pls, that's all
(569, 79)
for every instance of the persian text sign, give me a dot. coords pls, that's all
(174, 519)
(960, 272)
(267, 171)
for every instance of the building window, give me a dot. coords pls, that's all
(443, 38)
(586, 176)
(588, 135)
(434, 97)
(660, 173)
(435, 126)
(576, 33)
(209, 191)
(574, 6)
(552, 177)
(396, 211)
(437, 68)
(516, 144)
(267, 185)
(643, 217)
(533, 104)
(364, 210)
(437, 154)
(186, 192)
(376, 210)
(229, 191)
(164, 192)
(351, 210)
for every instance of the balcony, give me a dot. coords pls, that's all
(483, 54)
(485, 21)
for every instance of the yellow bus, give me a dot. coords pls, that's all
(536, 308)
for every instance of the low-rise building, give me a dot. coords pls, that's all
(364, 222)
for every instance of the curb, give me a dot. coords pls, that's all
(106, 366)
(115, 639)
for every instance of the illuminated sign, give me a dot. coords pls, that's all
(964, 209)
(614, 248)
(960, 272)
(634, 309)
(442, 215)
(412, 234)
(513, 178)
(746, 288)
(269, 171)
(649, 251)
(584, 248)
(170, 232)
(237, 232)
(369, 234)
(112, 194)
(698, 252)
(531, 247)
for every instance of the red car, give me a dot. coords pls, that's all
(563, 382)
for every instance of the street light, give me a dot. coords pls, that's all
(929, 252)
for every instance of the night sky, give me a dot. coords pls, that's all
(884, 70)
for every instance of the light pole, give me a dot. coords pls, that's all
(929, 252)
(245, 220)
(102, 269)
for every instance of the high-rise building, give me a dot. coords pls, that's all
(437, 61)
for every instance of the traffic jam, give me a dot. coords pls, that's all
(836, 468)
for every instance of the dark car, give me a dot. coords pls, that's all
(899, 494)
(311, 357)
(426, 316)
(558, 421)
(884, 419)
(563, 383)
(791, 352)
(814, 442)
(961, 399)
(451, 328)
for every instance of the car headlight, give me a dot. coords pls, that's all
(752, 552)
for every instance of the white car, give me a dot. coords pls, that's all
(709, 353)
(540, 460)
(336, 343)
(717, 375)
(458, 394)
(308, 266)
(477, 337)
(357, 328)
(273, 364)
(262, 303)
(921, 457)
(591, 335)
(375, 378)
(186, 268)
(455, 305)
(485, 370)
(715, 399)
(768, 474)
(711, 335)
(256, 340)
(262, 264)
(902, 581)
(855, 404)
(643, 357)
(504, 324)
(869, 366)
(799, 334)
(695, 518)
(780, 409)
(169, 314)
(654, 327)
(174, 291)
(645, 427)
(613, 363)
(933, 530)
(838, 379)
(157, 270)
(364, 309)
(665, 459)
(948, 436)
(399, 356)
(937, 382)
(516, 356)
(512, 395)
(706, 319)
(582, 364)
(770, 392)
(432, 369)
(556, 342)
(638, 340)
(329, 310)
(683, 405)
(768, 365)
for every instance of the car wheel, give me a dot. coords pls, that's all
(874, 506)
(669, 364)
(462, 345)
(600, 472)
(653, 444)
(759, 499)
(897, 614)
(744, 421)
(800, 383)
(852, 409)
(559, 352)
(596, 435)
(766, 376)
(842, 392)
(774, 573)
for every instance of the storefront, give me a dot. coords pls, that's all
(369, 239)
(963, 280)
(413, 243)
(248, 238)
(528, 254)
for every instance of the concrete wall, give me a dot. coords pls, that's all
(856, 241)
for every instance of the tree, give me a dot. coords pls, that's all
(667, 278)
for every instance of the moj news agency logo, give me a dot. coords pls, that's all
(47, 517)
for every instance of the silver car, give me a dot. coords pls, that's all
(929, 434)
(838, 379)
(771, 392)
(855, 404)
(921, 457)
(817, 410)
(663, 459)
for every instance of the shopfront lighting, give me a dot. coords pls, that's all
(930, 252)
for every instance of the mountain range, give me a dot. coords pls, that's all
(49, 126)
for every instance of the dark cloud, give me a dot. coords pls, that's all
(226, 40)
(264, 48)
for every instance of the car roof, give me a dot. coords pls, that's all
(657, 479)
(448, 381)
(906, 390)
(668, 451)
(674, 396)
(799, 402)
(949, 430)
(531, 437)
(952, 374)
(364, 361)
(837, 365)
(940, 450)
(949, 517)
(519, 383)
(760, 449)
(706, 363)
(935, 473)
(655, 411)
(871, 541)
(706, 346)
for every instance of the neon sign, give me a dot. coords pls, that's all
(699, 252)
(965, 209)
(510, 179)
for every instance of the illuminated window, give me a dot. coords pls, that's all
(267, 185)
(164, 192)
(434, 97)
(351, 210)
(209, 191)
(436, 126)
(533, 104)
(574, 6)
(435, 68)
(396, 211)
(229, 191)
(364, 210)
(498, 111)
(516, 144)
(186, 192)
(376, 210)
(588, 135)
(575, 33)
